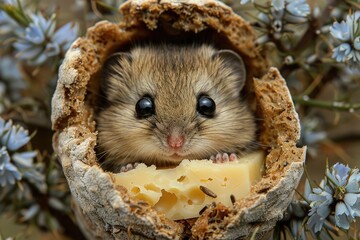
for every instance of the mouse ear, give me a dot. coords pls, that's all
(118, 58)
(114, 65)
(112, 72)
(232, 60)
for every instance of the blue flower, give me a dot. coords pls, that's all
(340, 31)
(342, 52)
(281, 13)
(348, 34)
(299, 8)
(15, 138)
(339, 192)
(40, 41)
(321, 199)
(15, 165)
(9, 173)
(346, 185)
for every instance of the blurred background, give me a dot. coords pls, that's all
(314, 44)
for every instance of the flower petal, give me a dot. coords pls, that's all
(341, 209)
(4, 126)
(340, 31)
(351, 198)
(324, 210)
(278, 4)
(315, 223)
(24, 159)
(65, 35)
(15, 138)
(353, 202)
(34, 34)
(342, 221)
(342, 52)
(298, 8)
(357, 43)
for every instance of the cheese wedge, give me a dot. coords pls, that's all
(182, 192)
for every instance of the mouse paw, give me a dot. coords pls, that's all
(223, 157)
(128, 167)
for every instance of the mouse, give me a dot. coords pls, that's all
(161, 104)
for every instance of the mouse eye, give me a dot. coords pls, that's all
(206, 106)
(145, 107)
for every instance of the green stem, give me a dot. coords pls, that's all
(339, 106)
(353, 3)
(108, 7)
(253, 237)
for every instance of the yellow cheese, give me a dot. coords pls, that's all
(181, 192)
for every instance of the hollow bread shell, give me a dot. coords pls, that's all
(106, 211)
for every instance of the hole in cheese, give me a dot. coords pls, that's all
(176, 191)
(166, 202)
(152, 187)
(145, 197)
(135, 190)
(196, 195)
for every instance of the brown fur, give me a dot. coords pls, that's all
(174, 76)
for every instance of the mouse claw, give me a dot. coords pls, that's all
(128, 167)
(223, 158)
(232, 157)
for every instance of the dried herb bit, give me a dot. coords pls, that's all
(203, 210)
(208, 192)
(232, 198)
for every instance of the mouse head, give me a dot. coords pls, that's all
(168, 103)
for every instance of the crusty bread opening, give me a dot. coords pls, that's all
(106, 211)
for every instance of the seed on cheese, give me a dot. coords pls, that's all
(182, 192)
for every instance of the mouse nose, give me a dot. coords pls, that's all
(176, 141)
